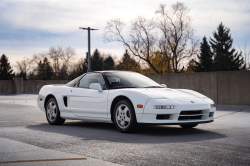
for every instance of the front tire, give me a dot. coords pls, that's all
(124, 117)
(53, 113)
(189, 126)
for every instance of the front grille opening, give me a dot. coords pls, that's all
(191, 112)
(211, 114)
(65, 101)
(190, 117)
(163, 116)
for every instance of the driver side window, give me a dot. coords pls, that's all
(90, 79)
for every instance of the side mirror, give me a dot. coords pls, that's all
(164, 85)
(96, 86)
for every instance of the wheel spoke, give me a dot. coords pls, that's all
(54, 114)
(50, 105)
(127, 119)
(49, 116)
(120, 110)
(54, 107)
(126, 110)
(122, 123)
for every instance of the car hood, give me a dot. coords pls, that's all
(178, 96)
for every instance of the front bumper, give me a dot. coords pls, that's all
(174, 119)
(180, 115)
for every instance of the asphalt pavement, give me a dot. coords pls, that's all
(26, 136)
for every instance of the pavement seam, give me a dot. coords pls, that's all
(25, 161)
(228, 114)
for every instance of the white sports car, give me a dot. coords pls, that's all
(127, 99)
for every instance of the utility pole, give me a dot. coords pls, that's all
(89, 59)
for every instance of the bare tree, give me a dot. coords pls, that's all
(177, 33)
(37, 57)
(141, 39)
(55, 54)
(60, 58)
(165, 51)
(170, 33)
(68, 55)
(246, 55)
(24, 65)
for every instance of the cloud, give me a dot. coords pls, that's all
(30, 26)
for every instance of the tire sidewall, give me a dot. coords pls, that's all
(133, 123)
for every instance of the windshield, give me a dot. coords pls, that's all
(130, 80)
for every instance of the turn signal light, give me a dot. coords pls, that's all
(139, 106)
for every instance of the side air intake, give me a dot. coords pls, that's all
(65, 100)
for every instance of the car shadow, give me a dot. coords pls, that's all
(145, 134)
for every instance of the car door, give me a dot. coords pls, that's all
(87, 102)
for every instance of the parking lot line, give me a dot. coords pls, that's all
(25, 161)
(228, 114)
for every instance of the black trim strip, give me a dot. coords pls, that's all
(185, 123)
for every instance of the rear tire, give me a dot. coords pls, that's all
(124, 117)
(53, 113)
(189, 126)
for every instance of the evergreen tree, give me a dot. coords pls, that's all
(72, 75)
(40, 70)
(108, 63)
(96, 61)
(223, 51)
(63, 74)
(45, 71)
(82, 68)
(191, 66)
(128, 64)
(205, 59)
(220, 63)
(48, 69)
(6, 73)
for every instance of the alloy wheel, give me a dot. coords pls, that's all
(123, 116)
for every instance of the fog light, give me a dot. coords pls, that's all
(163, 107)
(211, 114)
(162, 117)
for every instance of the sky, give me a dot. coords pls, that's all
(33, 26)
